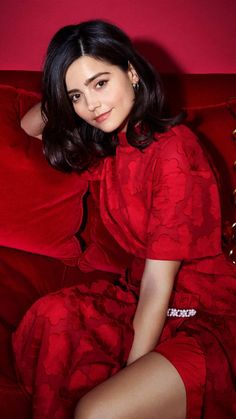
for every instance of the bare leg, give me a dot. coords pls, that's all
(150, 388)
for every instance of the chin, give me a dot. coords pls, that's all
(109, 129)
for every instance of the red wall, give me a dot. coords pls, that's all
(192, 36)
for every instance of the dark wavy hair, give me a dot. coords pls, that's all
(69, 142)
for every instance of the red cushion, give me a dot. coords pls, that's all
(24, 277)
(14, 404)
(214, 125)
(41, 208)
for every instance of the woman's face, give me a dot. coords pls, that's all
(101, 93)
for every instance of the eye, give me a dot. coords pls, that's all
(101, 83)
(74, 98)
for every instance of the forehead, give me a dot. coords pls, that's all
(86, 67)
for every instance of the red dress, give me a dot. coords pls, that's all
(160, 203)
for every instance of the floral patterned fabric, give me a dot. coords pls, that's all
(70, 341)
(160, 203)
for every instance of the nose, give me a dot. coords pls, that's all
(93, 103)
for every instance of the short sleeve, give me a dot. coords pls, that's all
(184, 221)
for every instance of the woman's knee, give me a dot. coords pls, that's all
(52, 307)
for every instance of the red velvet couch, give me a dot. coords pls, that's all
(39, 222)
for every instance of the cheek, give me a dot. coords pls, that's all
(126, 95)
(75, 107)
(128, 100)
(79, 111)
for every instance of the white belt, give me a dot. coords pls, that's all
(179, 312)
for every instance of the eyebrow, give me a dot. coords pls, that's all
(88, 81)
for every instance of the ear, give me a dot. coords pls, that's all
(132, 74)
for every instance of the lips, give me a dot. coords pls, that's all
(102, 117)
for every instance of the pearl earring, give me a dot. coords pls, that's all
(135, 86)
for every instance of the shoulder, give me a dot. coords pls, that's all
(94, 173)
(180, 143)
(178, 136)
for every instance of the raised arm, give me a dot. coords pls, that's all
(156, 287)
(32, 122)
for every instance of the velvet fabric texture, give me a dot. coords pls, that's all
(41, 208)
(215, 125)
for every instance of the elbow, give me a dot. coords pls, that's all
(29, 129)
(24, 126)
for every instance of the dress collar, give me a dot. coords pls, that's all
(123, 139)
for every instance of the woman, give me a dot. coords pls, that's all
(159, 342)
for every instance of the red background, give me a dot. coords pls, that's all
(190, 36)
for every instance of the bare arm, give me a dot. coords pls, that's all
(32, 122)
(156, 287)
